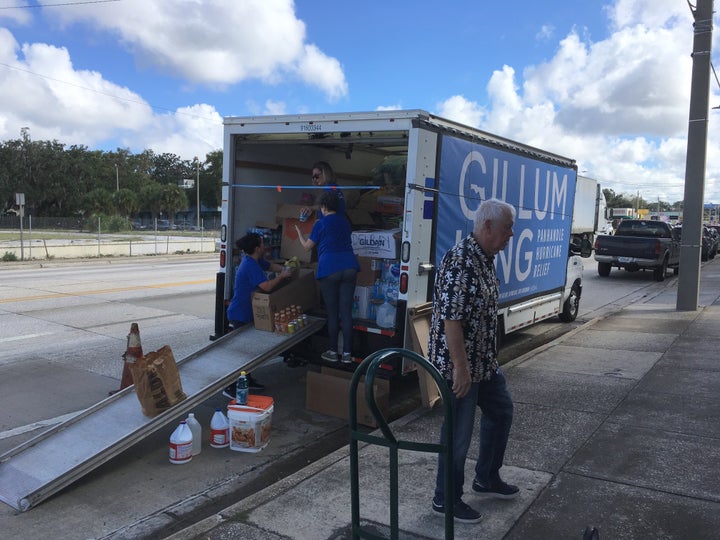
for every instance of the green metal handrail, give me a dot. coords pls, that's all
(369, 367)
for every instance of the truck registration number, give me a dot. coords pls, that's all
(625, 259)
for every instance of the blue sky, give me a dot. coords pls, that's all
(604, 82)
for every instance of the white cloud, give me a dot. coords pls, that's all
(461, 110)
(20, 15)
(546, 32)
(217, 42)
(41, 90)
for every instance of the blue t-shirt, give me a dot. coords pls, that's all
(249, 275)
(332, 235)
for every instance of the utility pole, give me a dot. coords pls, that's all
(689, 280)
(197, 189)
(117, 178)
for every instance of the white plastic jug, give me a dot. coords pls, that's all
(196, 429)
(386, 315)
(181, 442)
(219, 430)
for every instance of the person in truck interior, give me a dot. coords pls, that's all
(250, 276)
(463, 347)
(336, 272)
(323, 175)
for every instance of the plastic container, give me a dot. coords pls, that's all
(196, 430)
(181, 442)
(250, 424)
(219, 434)
(386, 315)
(241, 389)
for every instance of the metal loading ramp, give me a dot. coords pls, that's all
(35, 470)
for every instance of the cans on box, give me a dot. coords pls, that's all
(250, 424)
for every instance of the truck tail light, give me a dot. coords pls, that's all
(403, 282)
(223, 257)
(658, 248)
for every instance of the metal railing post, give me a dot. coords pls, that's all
(369, 367)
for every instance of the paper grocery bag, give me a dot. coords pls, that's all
(157, 381)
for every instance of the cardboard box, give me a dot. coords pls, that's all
(290, 246)
(382, 244)
(327, 393)
(369, 271)
(362, 302)
(299, 291)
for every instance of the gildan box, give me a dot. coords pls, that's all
(362, 299)
(327, 392)
(381, 244)
(298, 291)
(290, 246)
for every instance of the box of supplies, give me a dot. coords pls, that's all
(298, 291)
(378, 244)
(327, 393)
(289, 216)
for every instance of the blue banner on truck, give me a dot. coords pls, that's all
(535, 259)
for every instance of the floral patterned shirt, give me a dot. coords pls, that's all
(466, 289)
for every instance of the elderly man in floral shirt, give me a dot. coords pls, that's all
(463, 346)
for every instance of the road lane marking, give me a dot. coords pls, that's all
(26, 336)
(106, 291)
(37, 425)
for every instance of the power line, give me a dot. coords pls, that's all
(107, 94)
(60, 4)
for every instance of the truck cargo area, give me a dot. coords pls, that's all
(56, 458)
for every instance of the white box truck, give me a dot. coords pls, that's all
(424, 175)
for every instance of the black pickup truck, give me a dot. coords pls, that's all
(639, 244)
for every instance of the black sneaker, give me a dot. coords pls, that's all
(496, 490)
(254, 385)
(462, 513)
(230, 391)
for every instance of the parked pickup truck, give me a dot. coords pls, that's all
(639, 244)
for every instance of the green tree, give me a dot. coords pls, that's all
(125, 202)
(173, 199)
(211, 179)
(151, 199)
(98, 201)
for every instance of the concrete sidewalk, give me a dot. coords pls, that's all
(616, 426)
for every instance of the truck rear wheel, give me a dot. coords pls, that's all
(571, 306)
(604, 269)
(660, 271)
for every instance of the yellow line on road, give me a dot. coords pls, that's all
(106, 291)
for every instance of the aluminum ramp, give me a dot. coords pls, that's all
(35, 470)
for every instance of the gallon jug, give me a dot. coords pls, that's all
(181, 442)
(219, 430)
(196, 430)
(386, 315)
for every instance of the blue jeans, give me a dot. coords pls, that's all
(497, 407)
(337, 291)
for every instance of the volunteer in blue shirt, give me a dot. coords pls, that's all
(323, 175)
(250, 276)
(336, 273)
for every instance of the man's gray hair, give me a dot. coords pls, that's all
(493, 210)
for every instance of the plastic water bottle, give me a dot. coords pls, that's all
(219, 430)
(241, 389)
(196, 430)
(181, 443)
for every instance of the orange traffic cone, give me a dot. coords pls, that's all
(132, 354)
